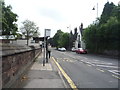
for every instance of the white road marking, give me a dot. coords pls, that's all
(82, 60)
(67, 60)
(88, 62)
(114, 71)
(107, 66)
(71, 61)
(88, 65)
(96, 60)
(104, 63)
(100, 70)
(85, 58)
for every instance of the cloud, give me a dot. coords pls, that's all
(52, 14)
(57, 14)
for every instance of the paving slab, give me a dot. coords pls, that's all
(44, 83)
(39, 76)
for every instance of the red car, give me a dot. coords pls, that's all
(81, 51)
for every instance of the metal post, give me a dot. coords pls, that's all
(69, 36)
(47, 34)
(44, 49)
(97, 10)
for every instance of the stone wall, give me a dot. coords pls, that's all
(15, 60)
(114, 53)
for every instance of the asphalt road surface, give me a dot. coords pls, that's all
(89, 71)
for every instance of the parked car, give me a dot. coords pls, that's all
(62, 49)
(59, 49)
(81, 51)
(73, 49)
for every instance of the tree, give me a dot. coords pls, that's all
(116, 12)
(57, 38)
(51, 41)
(9, 27)
(104, 35)
(65, 40)
(107, 12)
(61, 39)
(28, 29)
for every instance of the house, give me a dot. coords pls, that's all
(79, 43)
(4, 39)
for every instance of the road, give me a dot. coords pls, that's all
(89, 71)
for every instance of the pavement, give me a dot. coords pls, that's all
(39, 76)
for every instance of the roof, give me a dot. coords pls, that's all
(39, 38)
(4, 37)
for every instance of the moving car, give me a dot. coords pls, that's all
(81, 51)
(62, 49)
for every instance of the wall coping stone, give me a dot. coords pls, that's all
(9, 49)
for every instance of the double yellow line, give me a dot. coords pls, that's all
(71, 83)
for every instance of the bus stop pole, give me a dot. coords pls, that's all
(44, 48)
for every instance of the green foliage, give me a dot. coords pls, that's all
(9, 27)
(107, 12)
(105, 35)
(57, 38)
(29, 29)
(61, 39)
(116, 12)
(64, 41)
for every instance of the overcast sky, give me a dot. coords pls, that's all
(57, 14)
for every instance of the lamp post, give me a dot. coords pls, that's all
(119, 3)
(97, 10)
(69, 37)
(96, 21)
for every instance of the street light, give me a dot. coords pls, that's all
(97, 10)
(119, 3)
(69, 36)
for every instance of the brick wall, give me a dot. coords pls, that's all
(13, 65)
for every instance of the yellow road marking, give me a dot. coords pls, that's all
(67, 60)
(116, 76)
(73, 86)
(100, 70)
(71, 61)
(88, 65)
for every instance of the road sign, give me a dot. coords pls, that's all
(47, 32)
